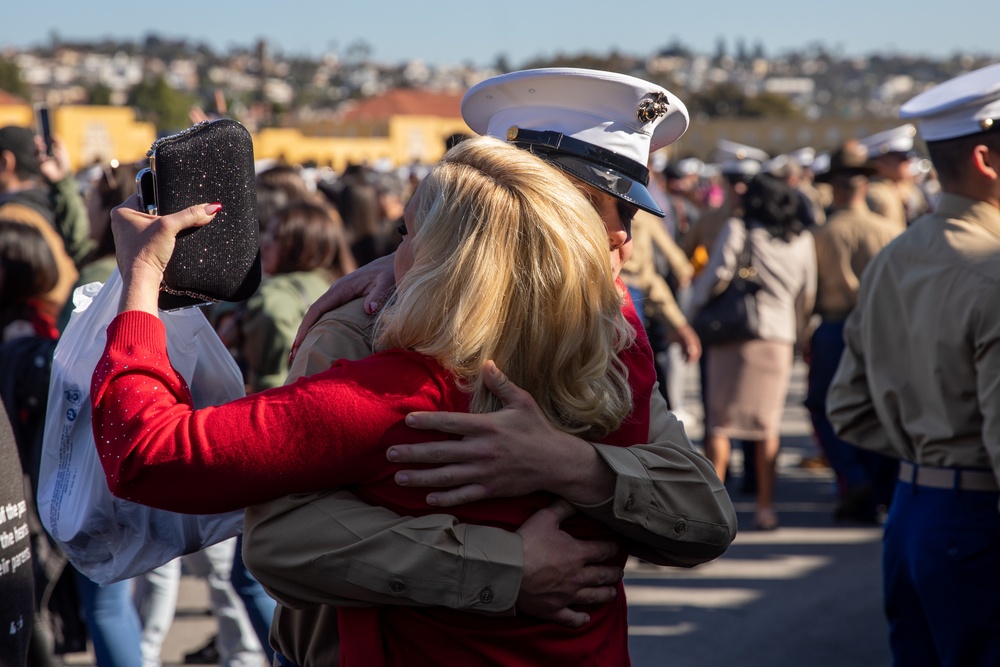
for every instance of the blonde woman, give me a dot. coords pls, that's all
(501, 257)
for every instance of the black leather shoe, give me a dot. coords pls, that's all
(206, 655)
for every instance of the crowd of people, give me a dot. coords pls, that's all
(462, 418)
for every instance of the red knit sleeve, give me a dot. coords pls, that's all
(327, 430)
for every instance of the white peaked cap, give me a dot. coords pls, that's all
(622, 115)
(897, 140)
(804, 156)
(967, 104)
(727, 151)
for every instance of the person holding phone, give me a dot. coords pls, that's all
(491, 230)
(25, 199)
(660, 486)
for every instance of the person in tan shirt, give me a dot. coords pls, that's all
(658, 302)
(892, 192)
(666, 501)
(851, 237)
(920, 381)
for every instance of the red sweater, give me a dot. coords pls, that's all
(332, 429)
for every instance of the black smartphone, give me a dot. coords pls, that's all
(43, 126)
(145, 189)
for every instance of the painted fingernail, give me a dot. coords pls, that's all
(213, 208)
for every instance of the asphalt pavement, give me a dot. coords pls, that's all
(806, 594)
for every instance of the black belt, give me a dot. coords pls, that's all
(948, 478)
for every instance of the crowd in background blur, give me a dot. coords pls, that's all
(792, 210)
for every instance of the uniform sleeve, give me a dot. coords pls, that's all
(659, 303)
(849, 403)
(679, 263)
(987, 364)
(349, 553)
(668, 500)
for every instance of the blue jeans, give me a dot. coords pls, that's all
(259, 605)
(112, 621)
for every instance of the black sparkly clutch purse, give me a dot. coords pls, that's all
(209, 162)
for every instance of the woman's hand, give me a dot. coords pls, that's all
(144, 244)
(375, 280)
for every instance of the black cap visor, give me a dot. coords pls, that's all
(605, 179)
(606, 170)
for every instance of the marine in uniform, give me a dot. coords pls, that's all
(598, 127)
(892, 192)
(920, 380)
(851, 237)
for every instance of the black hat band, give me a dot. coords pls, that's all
(556, 141)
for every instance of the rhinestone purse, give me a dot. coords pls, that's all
(209, 162)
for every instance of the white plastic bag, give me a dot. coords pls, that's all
(107, 538)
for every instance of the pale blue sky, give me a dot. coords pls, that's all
(453, 32)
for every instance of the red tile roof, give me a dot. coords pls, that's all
(8, 98)
(405, 102)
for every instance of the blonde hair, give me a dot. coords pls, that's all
(510, 263)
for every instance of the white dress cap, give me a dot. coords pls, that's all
(744, 169)
(897, 140)
(821, 163)
(690, 166)
(778, 166)
(601, 108)
(967, 104)
(726, 151)
(621, 114)
(804, 156)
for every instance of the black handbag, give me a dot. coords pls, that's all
(209, 162)
(731, 316)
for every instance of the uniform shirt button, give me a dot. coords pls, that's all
(680, 527)
(486, 596)
(397, 586)
(629, 502)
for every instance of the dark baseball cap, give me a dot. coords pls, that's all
(20, 141)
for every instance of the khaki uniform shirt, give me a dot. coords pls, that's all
(817, 201)
(707, 229)
(920, 376)
(914, 201)
(329, 548)
(640, 270)
(884, 198)
(845, 245)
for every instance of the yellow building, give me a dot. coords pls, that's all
(398, 128)
(91, 133)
